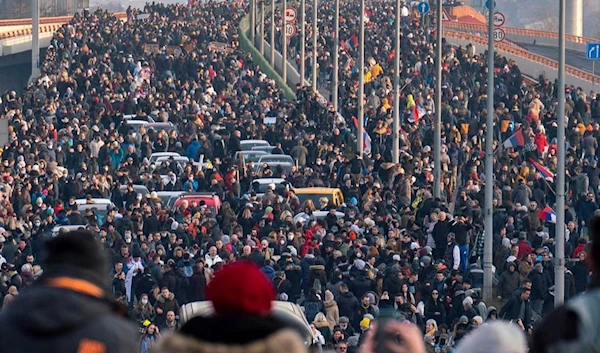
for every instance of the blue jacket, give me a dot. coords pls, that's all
(192, 149)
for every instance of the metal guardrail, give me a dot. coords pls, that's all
(520, 31)
(583, 75)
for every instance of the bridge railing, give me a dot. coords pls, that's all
(520, 32)
(47, 24)
(583, 75)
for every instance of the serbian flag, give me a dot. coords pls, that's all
(545, 172)
(366, 142)
(548, 215)
(417, 113)
(516, 140)
(352, 42)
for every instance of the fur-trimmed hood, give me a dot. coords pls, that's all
(282, 341)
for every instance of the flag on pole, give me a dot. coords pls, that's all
(352, 42)
(545, 172)
(417, 113)
(548, 215)
(366, 143)
(516, 140)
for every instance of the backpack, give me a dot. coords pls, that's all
(311, 309)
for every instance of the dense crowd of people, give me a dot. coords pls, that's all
(394, 246)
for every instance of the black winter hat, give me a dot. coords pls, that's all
(77, 254)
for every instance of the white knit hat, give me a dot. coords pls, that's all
(496, 337)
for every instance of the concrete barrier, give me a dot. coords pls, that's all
(21, 44)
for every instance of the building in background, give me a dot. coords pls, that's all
(48, 8)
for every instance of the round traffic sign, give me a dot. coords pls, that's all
(487, 4)
(290, 14)
(499, 34)
(499, 19)
(423, 7)
(290, 30)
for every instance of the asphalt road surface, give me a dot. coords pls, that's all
(575, 59)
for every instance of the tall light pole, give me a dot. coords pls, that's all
(396, 123)
(35, 39)
(261, 44)
(489, 164)
(361, 82)
(559, 270)
(284, 44)
(252, 21)
(336, 57)
(437, 126)
(272, 48)
(302, 41)
(314, 43)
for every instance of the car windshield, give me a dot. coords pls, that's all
(314, 197)
(261, 188)
(276, 158)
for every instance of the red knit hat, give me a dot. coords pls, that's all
(240, 289)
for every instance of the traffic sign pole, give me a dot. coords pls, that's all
(489, 165)
(559, 269)
(302, 41)
(437, 127)
(284, 38)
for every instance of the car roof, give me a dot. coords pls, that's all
(269, 180)
(243, 142)
(95, 202)
(162, 154)
(316, 190)
(136, 122)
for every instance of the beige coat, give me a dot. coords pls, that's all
(332, 313)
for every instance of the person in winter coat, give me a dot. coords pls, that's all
(539, 288)
(581, 273)
(434, 308)
(317, 273)
(347, 303)
(149, 339)
(334, 284)
(312, 305)
(522, 193)
(362, 284)
(512, 309)
(144, 311)
(164, 303)
(281, 284)
(72, 298)
(332, 312)
(508, 283)
(197, 283)
(242, 299)
(10, 297)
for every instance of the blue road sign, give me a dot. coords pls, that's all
(593, 51)
(423, 7)
(487, 4)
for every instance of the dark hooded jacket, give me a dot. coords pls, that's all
(74, 322)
